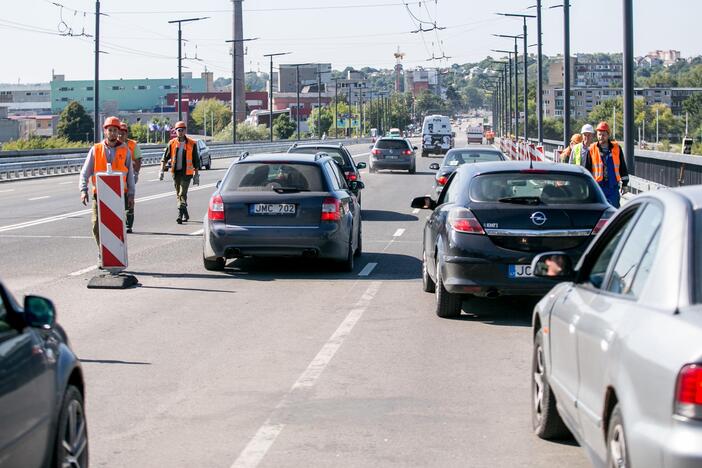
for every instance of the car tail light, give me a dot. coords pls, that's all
(375, 151)
(350, 176)
(407, 152)
(331, 209)
(463, 220)
(442, 180)
(215, 212)
(601, 223)
(688, 394)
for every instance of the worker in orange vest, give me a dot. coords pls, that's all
(181, 152)
(136, 163)
(112, 151)
(605, 160)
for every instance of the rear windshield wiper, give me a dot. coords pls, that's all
(521, 200)
(289, 189)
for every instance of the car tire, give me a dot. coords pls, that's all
(372, 169)
(214, 265)
(346, 265)
(617, 452)
(424, 154)
(545, 420)
(428, 284)
(412, 169)
(447, 305)
(359, 244)
(208, 166)
(72, 431)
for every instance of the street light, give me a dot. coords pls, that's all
(516, 81)
(270, 90)
(504, 95)
(516, 87)
(234, 103)
(566, 70)
(297, 90)
(180, 60)
(319, 99)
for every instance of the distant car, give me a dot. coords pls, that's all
(341, 155)
(283, 205)
(395, 133)
(617, 356)
(392, 153)
(458, 156)
(42, 392)
(490, 221)
(204, 152)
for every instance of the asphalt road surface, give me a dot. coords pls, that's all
(277, 363)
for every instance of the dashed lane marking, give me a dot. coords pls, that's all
(360, 155)
(39, 198)
(66, 183)
(367, 269)
(197, 233)
(398, 233)
(83, 271)
(7, 190)
(415, 211)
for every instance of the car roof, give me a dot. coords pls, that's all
(475, 148)
(317, 146)
(287, 157)
(513, 166)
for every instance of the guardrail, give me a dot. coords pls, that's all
(16, 168)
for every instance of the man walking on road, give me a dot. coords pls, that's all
(114, 152)
(605, 160)
(181, 152)
(136, 163)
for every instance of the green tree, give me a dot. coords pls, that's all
(326, 119)
(209, 111)
(74, 123)
(244, 132)
(473, 97)
(693, 107)
(692, 77)
(138, 132)
(283, 127)
(429, 103)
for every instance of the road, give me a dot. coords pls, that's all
(277, 363)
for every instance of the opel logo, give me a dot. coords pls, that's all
(538, 218)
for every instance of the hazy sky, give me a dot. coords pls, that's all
(140, 43)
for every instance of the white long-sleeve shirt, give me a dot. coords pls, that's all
(88, 169)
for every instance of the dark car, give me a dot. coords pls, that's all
(273, 205)
(203, 152)
(392, 153)
(458, 156)
(341, 155)
(42, 414)
(491, 219)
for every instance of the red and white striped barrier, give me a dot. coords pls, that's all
(113, 236)
(522, 150)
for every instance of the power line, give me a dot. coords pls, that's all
(321, 7)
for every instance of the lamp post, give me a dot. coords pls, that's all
(297, 91)
(503, 95)
(566, 70)
(270, 91)
(628, 78)
(516, 81)
(180, 60)
(516, 87)
(319, 99)
(234, 83)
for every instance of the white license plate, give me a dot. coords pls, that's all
(273, 209)
(520, 271)
(390, 157)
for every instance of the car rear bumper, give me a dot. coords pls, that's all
(435, 149)
(400, 163)
(683, 446)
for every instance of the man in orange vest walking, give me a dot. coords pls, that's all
(136, 163)
(112, 151)
(605, 160)
(185, 162)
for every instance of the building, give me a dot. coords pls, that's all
(420, 79)
(254, 99)
(587, 71)
(286, 76)
(678, 96)
(26, 99)
(666, 57)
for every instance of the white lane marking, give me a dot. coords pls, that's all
(197, 233)
(367, 269)
(360, 155)
(415, 211)
(66, 183)
(256, 449)
(398, 233)
(7, 190)
(20, 236)
(154, 180)
(36, 222)
(39, 198)
(83, 271)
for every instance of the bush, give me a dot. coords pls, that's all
(664, 146)
(35, 143)
(244, 132)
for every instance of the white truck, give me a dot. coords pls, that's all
(437, 136)
(474, 134)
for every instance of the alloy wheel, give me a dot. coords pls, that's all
(74, 437)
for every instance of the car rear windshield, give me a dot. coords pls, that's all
(269, 176)
(698, 256)
(391, 144)
(549, 188)
(334, 153)
(456, 158)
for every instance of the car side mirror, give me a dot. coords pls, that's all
(423, 203)
(554, 265)
(434, 166)
(39, 312)
(356, 185)
(219, 182)
(361, 165)
(415, 148)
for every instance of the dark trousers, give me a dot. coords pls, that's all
(181, 181)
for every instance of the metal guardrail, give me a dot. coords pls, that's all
(17, 168)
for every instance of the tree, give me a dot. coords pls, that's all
(211, 111)
(693, 106)
(326, 119)
(74, 123)
(138, 132)
(474, 97)
(429, 103)
(283, 127)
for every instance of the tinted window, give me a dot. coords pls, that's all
(332, 176)
(392, 144)
(615, 234)
(454, 189)
(4, 325)
(456, 158)
(269, 176)
(335, 153)
(637, 246)
(550, 188)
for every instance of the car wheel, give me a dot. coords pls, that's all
(214, 265)
(545, 420)
(346, 265)
(72, 433)
(617, 454)
(424, 154)
(208, 166)
(413, 169)
(428, 284)
(359, 244)
(371, 168)
(447, 305)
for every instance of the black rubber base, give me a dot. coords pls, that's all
(110, 281)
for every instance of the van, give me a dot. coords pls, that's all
(437, 136)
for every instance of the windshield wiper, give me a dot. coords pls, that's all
(289, 189)
(521, 200)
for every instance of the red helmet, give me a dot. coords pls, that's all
(111, 122)
(180, 124)
(124, 127)
(602, 127)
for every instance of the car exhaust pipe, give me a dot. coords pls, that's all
(492, 294)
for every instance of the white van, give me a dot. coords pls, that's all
(437, 136)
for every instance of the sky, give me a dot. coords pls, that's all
(41, 36)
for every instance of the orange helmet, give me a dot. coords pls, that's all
(603, 127)
(124, 127)
(180, 124)
(111, 122)
(577, 138)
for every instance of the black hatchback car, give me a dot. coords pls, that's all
(283, 205)
(490, 221)
(42, 414)
(459, 156)
(393, 153)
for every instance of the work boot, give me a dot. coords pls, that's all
(179, 220)
(186, 216)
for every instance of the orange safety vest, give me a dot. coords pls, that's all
(598, 165)
(189, 144)
(119, 163)
(131, 144)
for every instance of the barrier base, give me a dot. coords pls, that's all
(112, 281)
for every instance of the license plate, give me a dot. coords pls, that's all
(390, 157)
(272, 209)
(520, 271)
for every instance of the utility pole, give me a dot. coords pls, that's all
(628, 77)
(270, 91)
(336, 107)
(539, 75)
(97, 134)
(566, 70)
(516, 85)
(236, 80)
(348, 122)
(180, 61)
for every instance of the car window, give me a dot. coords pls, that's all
(456, 158)
(639, 247)
(598, 271)
(4, 325)
(548, 188)
(334, 153)
(391, 144)
(339, 175)
(270, 176)
(451, 190)
(332, 176)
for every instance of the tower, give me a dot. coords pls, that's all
(398, 70)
